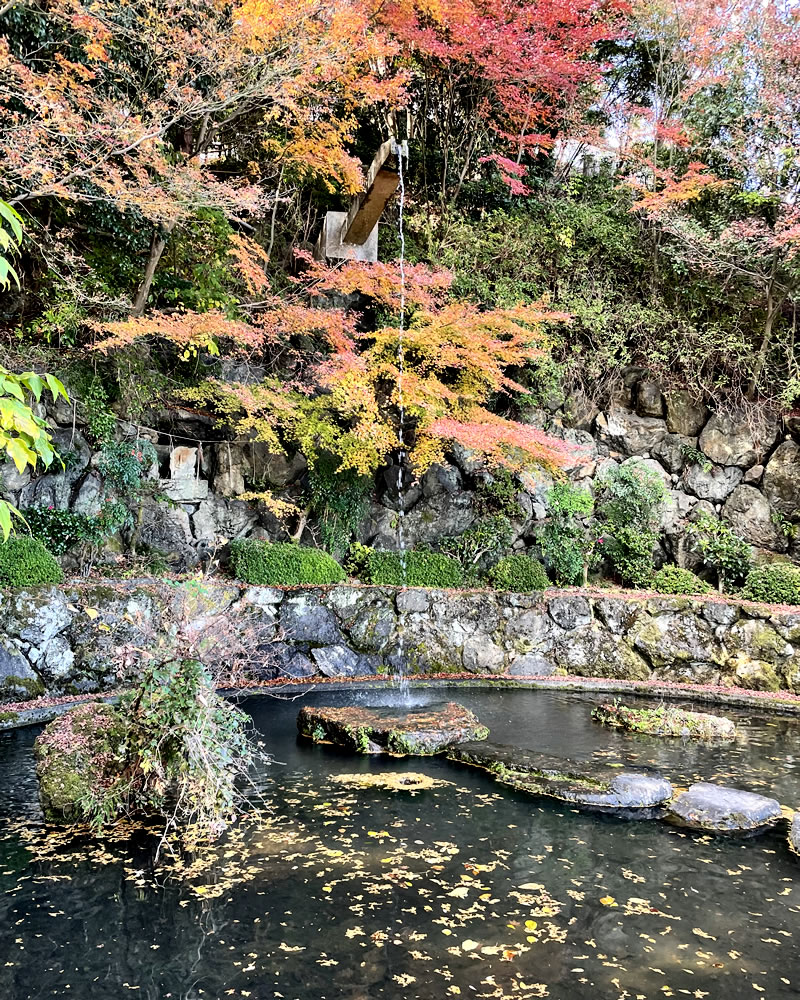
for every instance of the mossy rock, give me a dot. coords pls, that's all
(426, 730)
(78, 756)
(665, 720)
(638, 793)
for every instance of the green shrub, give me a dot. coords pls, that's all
(422, 569)
(775, 583)
(282, 563)
(674, 580)
(24, 562)
(518, 573)
(628, 506)
(125, 463)
(569, 537)
(63, 530)
(727, 553)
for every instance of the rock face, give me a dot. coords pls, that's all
(76, 755)
(748, 511)
(50, 644)
(724, 810)
(638, 793)
(421, 731)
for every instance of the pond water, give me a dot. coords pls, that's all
(466, 889)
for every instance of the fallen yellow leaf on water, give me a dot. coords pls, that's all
(608, 901)
(469, 945)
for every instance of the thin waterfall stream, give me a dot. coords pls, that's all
(400, 677)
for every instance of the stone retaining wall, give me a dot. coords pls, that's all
(56, 640)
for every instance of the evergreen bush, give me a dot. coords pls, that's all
(629, 502)
(25, 562)
(674, 580)
(519, 574)
(282, 563)
(422, 569)
(775, 583)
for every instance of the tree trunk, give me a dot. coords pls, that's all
(157, 246)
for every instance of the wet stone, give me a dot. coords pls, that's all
(720, 809)
(794, 833)
(637, 793)
(428, 729)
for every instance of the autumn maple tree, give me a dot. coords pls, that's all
(722, 173)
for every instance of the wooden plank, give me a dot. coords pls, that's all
(365, 212)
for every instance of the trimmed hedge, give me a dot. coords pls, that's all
(282, 563)
(422, 569)
(774, 583)
(674, 580)
(25, 562)
(519, 574)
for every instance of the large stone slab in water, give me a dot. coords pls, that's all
(720, 809)
(427, 729)
(640, 792)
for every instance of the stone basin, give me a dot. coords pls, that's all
(427, 729)
(720, 809)
(638, 793)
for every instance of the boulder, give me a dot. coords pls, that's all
(720, 809)
(531, 665)
(749, 513)
(649, 400)
(731, 438)
(651, 465)
(628, 432)
(425, 730)
(782, 480)
(591, 652)
(579, 412)
(714, 484)
(441, 479)
(671, 451)
(481, 655)
(78, 754)
(638, 792)
(304, 619)
(17, 679)
(667, 639)
(685, 416)
(754, 475)
(570, 612)
(231, 466)
(341, 661)
(167, 529)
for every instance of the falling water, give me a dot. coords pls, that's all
(400, 678)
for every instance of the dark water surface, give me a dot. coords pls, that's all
(464, 890)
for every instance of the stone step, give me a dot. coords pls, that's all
(636, 793)
(720, 809)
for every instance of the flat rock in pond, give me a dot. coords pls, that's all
(639, 792)
(720, 809)
(427, 729)
(665, 720)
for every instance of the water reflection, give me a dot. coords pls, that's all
(464, 890)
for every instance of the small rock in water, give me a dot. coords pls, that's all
(665, 720)
(724, 810)
(425, 730)
(635, 793)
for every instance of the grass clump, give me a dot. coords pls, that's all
(519, 574)
(282, 563)
(674, 580)
(774, 583)
(25, 562)
(422, 569)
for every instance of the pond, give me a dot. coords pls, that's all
(465, 889)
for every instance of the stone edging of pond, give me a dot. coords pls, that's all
(41, 710)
